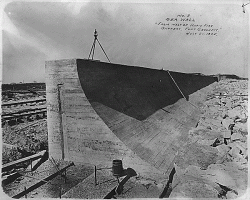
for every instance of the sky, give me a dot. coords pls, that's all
(152, 35)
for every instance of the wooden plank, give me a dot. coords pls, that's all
(10, 178)
(44, 157)
(11, 165)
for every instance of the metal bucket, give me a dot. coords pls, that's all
(117, 168)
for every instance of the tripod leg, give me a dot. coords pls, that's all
(103, 50)
(91, 49)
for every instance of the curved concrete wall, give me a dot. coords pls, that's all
(135, 91)
(99, 111)
(75, 131)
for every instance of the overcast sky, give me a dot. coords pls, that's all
(130, 33)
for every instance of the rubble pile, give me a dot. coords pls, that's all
(213, 164)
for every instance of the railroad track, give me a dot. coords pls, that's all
(20, 116)
(27, 102)
(20, 111)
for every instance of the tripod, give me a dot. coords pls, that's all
(92, 51)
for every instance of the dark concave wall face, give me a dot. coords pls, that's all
(135, 91)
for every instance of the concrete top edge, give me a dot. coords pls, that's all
(67, 61)
(73, 61)
(61, 61)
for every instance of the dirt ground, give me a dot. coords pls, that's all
(31, 137)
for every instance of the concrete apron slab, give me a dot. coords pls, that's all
(135, 187)
(88, 190)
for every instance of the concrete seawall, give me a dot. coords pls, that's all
(99, 111)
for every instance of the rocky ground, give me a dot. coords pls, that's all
(214, 163)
